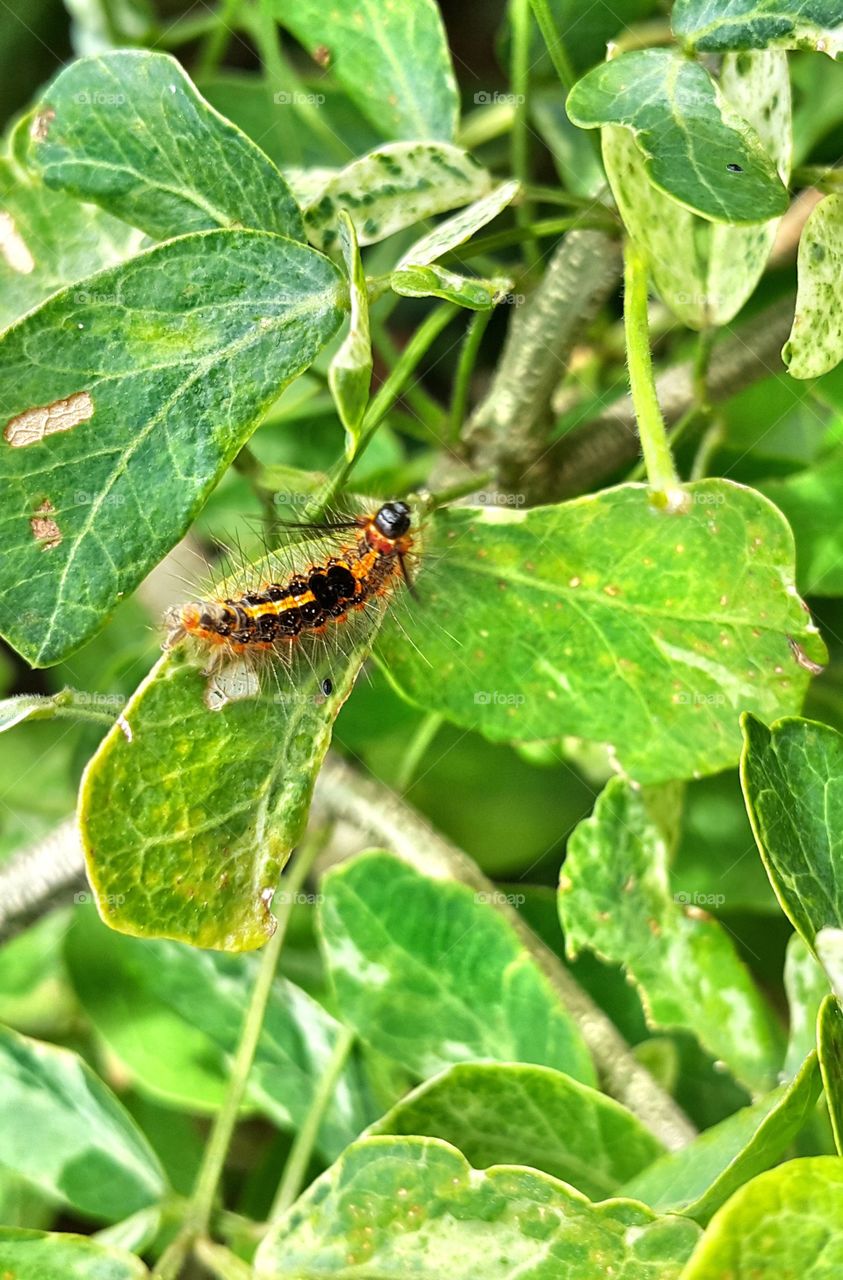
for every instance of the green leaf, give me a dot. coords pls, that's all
(783, 1225)
(815, 344)
(686, 131)
(792, 776)
(167, 1057)
(459, 228)
(508, 1113)
(120, 414)
(615, 900)
(154, 997)
(811, 501)
(701, 1177)
(806, 985)
(217, 775)
(830, 1045)
(392, 188)
(653, 653)
(48, 240)
(42, 1255)
(128, 131)
(413, 281)
(61, 1128)
(429, 997)
(712, 25)
(394, 1207)
(705, 271)
(350, 370)
(392, 60)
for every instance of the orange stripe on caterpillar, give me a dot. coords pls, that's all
(308, 601)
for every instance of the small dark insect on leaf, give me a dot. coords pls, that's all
(735, 168)
(327, 687)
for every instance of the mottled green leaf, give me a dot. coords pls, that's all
(413, 281)
(392, 188)
(807, 986)
(615, 900)
(392, 60)
(786, 1224)
(431, 996)
(713, 25)
(792, 775)
(154, 997)
(508, 1113)
(41, 1255)
(459, 228)
(702, 1176)
(811, 500)
(686, 131)
(65, 1131)
(350, 370)
(653, 652)
(48, 240)
(393, 1207)
(830, 1045)
(705, 271)
(120, 413)
(128, 131)
(217, 775)
(815, 344)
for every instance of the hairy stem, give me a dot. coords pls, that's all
(40, 878)
(381, 815)
(658, 458)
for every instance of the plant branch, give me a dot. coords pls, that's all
(381, 815)
(41, 878)
(508, 430)
(595, 451)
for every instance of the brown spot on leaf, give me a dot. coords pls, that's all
(13, 247)
(31, 426)
(44, 528)
(322, 55)
(807, 664)
(41, 123)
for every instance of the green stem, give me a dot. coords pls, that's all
(280, 81)
(210, 1171)
(658, 460)
(427, 730)
(386, 396)
(555, 44)
(253, 471)
(711, 441)
(417, 398)
(465, 369)
(302, 1149)
(537, 231)
(221, 1262)
(519, 148)
(216, 42)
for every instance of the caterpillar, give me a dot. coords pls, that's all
(368, 561)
